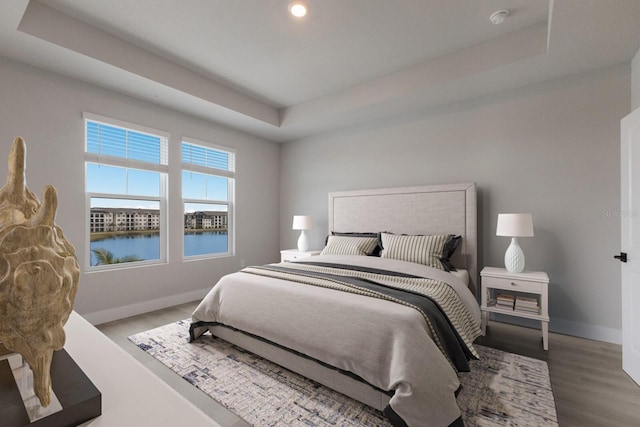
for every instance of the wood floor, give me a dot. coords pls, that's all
(589, 386)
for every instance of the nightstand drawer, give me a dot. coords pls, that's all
(292, 257)
(513, 285)
(287, 255)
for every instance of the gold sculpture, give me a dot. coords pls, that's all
(39, 273)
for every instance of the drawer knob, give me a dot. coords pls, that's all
(514, 284)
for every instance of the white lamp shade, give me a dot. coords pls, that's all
(515, 225)
(302, 222)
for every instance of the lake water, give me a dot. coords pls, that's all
(147, 246)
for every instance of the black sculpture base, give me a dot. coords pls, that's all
(81, 401)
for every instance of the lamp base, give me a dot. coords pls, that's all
(303, 241)
(514, 257)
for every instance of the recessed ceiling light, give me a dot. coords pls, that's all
(499, 16)
(298, 8)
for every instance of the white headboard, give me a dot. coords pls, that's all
(432, 209)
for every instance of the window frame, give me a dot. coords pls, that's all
(230, 202)
(162, 168)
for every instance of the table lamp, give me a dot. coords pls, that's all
(514, 226)
(303, 223)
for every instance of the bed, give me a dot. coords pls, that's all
(384, 330)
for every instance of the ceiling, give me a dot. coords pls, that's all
(249, 65)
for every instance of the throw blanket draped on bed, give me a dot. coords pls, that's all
(389, 341)
(452, 327)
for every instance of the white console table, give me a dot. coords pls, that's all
(131, 394)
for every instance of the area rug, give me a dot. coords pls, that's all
(502, 389)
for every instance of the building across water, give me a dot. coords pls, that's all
(205, 220)
(130, 219)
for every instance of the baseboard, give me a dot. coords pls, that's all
(568, 327)
(104, 316)
(584, 330)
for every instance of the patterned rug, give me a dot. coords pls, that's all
(502, 389)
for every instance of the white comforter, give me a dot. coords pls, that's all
(387, 344)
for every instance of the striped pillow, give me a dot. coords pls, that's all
(425, 250)
(374, 252)
(347, 245)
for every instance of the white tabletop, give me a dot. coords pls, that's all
(131, 394)
(534, 276)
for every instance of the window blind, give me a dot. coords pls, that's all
(198, 158)
(125, 147)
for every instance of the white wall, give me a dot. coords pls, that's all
(552, 150)
(46, 109)
(635, 81)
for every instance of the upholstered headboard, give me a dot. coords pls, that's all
(432, 209)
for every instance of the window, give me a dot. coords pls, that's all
(208, 175)
(126, 170)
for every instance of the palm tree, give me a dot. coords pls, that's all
(106, 257)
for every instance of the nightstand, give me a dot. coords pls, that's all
(531, 286)
(287, 255)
